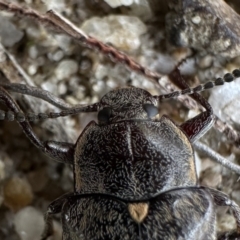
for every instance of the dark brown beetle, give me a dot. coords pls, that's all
(134, 174)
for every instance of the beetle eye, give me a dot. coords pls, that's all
(104, 115)
(150, 109)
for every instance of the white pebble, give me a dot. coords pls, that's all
(196, 19)
(225, 100)
(117, 3)
(65, 69)
(9, 33)
(32, 69)
(122, 31)
(57, 56)
(33, 52)
(58, 5)
(62, 88)
(50, 86)
(29, 223)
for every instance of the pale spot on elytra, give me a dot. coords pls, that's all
(138, 211)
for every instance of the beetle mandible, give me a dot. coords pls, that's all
(131, 189)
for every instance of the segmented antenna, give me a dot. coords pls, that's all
(228, 77)
(31, 117)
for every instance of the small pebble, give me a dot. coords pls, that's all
(66, 68)
(17, 193)
(32, 69)
(225, 100)
(205, 62)
(210, 178)
(117, 3)
(9, 33)
(122, 31)
(33, 52)
(62, 88)
(236, 195)
(29, 223)
(227, 222)
(57, 56)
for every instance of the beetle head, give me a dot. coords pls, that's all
(126, 104)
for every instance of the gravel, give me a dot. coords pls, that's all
(29, 181)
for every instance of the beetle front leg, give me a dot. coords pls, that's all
(62, 152)
(196, 127)
(55, 207)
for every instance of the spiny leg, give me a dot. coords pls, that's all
(225, 128)
(199, 125)
(62, 152)
(219, 198)
(196, 127)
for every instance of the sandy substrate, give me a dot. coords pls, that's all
(29, 181)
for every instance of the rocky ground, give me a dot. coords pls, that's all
(33, 54)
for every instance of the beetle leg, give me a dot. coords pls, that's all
(55, 207)
(222, 199)
(195, 127)
(62, 152)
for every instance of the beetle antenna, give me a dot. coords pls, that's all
(31, 117)
(228, 77)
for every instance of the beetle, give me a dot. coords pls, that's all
(135, 206)
(134, 174)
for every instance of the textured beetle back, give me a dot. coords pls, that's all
(133, 159)
(184, 214)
